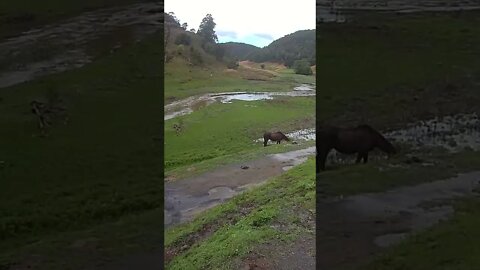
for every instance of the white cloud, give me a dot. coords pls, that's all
(248, 17)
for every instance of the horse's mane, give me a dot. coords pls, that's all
(369, 128)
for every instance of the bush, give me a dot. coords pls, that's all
(183, 39)
(180, 49)
(302, 67)
(262, 66)
(196, 57)
(232, 64)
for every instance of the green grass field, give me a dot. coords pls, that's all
(403, 68)
(398, 67)
(182, 81)
(223, 129)
(240, 224)
(100, 168)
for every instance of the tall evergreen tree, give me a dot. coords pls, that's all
(207, 29)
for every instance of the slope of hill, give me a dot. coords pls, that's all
(238, 50)
(285, 50)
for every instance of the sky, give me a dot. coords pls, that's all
(256, 22)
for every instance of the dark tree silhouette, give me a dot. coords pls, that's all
(206, 30)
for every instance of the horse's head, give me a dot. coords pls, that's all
(387, 147)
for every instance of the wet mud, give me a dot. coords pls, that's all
(188, 105)
(355, 228)
(63, 46)
(186, 198)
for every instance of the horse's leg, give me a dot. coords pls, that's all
(365, 157)
(322, 158)
(359, 157)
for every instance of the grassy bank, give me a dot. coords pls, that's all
(381, 175)
(281, 209)
(183, 80)
(99, 168)
(449, 245)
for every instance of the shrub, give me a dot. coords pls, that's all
(196, 57)
(232, 64)
(302, 67)
(183, 39)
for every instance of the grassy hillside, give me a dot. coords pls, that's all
(285, 50)
(237, 50)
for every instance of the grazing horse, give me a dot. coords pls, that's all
(274, 136)
(360, 140)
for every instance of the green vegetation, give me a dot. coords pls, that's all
(302, 67)
(285, 50)
(381, 175)
(450, 245)
(183, 80)
(217, 130)
(183, 39)
(206, 30)
(399, 68)
(98, 169)
(287, 201)
(238, 50)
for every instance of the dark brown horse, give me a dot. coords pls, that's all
(274, 137)
(360, 140)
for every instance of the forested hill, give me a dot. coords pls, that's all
(295, 46)
(237, 50)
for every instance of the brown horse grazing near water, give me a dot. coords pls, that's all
(361, 140)
(274, 136)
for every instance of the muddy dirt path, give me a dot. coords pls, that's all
(186, 198)
(353, 229)
(63, 46)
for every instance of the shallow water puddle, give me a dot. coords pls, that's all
(188, 105)
(307, 134)
(454, 133)
(186, 198)
(244, 97)
(409, 201)
(370, 222)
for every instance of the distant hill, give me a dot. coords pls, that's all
(237, 50)
(285, 50)
(188, 46)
